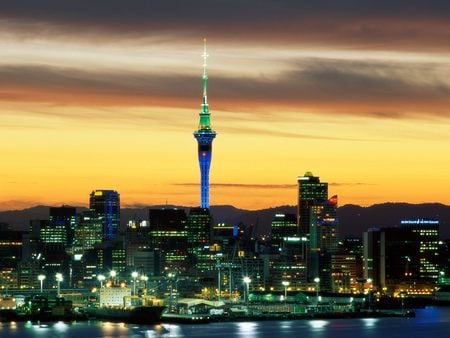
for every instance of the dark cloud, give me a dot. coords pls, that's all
(386, 90)
(334, 184)
(263, 186)
(365, 23)
(238, 185)
(273, 132)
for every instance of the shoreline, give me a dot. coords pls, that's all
(11, 316)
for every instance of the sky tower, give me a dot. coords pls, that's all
(204, 136)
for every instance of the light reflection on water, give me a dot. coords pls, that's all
(318, 325)
(433, 322)
(370, 322)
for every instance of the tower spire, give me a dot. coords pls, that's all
(205, 79)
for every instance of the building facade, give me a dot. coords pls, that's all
(106, 203)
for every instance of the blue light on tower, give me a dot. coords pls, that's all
(204, 136)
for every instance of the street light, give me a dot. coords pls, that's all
(369, 281)
(247, 282)
(101, 278)
(144, 278)
(134, 274)
(285, 284)
(317, 281)
(59, 279)
(41, 279)
(113, 275)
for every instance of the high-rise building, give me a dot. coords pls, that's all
(88, 236)
(198, 228)
(282, 227)
(204, 136)
(310, 192)
(10, 256)
(168, 234)
(89, 230)
(317, 221)
(106, 203)
(404, 257)
(323, 240)
(64, 217)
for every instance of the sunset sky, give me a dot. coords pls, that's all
(106, 95)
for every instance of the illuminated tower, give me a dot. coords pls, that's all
(204, 136)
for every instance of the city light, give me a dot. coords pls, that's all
(41, 280)
(59, 279)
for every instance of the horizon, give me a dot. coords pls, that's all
(356, 93)
(212, 206)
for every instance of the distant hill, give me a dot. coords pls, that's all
(353, 219)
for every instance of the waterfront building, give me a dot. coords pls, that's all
(403, 257)
(347, 265)
(204, 136)
(345, 273)
(106, 203)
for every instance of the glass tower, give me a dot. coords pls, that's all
(311, 192)
(106, 203)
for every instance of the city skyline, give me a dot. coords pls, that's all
(95, 97)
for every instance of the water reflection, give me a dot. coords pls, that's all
(61, 327)
(370, 322)
(247, 329)
(318, 325)
(428, 322)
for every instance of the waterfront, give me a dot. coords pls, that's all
(432, 321)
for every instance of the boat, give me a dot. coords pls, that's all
(135, 315)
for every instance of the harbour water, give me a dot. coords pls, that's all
(429, 322)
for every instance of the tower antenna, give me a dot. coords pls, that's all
(205, 76)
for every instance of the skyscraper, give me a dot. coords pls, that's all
(106, 203)
(310, 192)
(168, 234)
(198, 237)
(282, 227)
(317, 220)
(204, 136)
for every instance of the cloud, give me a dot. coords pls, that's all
(241, 185)
(274, 132)
(368, 88)
(346, 22)
(335, 184)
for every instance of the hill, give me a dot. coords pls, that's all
(354, 219)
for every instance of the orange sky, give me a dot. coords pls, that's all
(360, 98)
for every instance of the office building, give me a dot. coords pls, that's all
(405, 257)
(310, 192)
(106, 203)
(199, 227)
(282, 227)
(168, 235)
